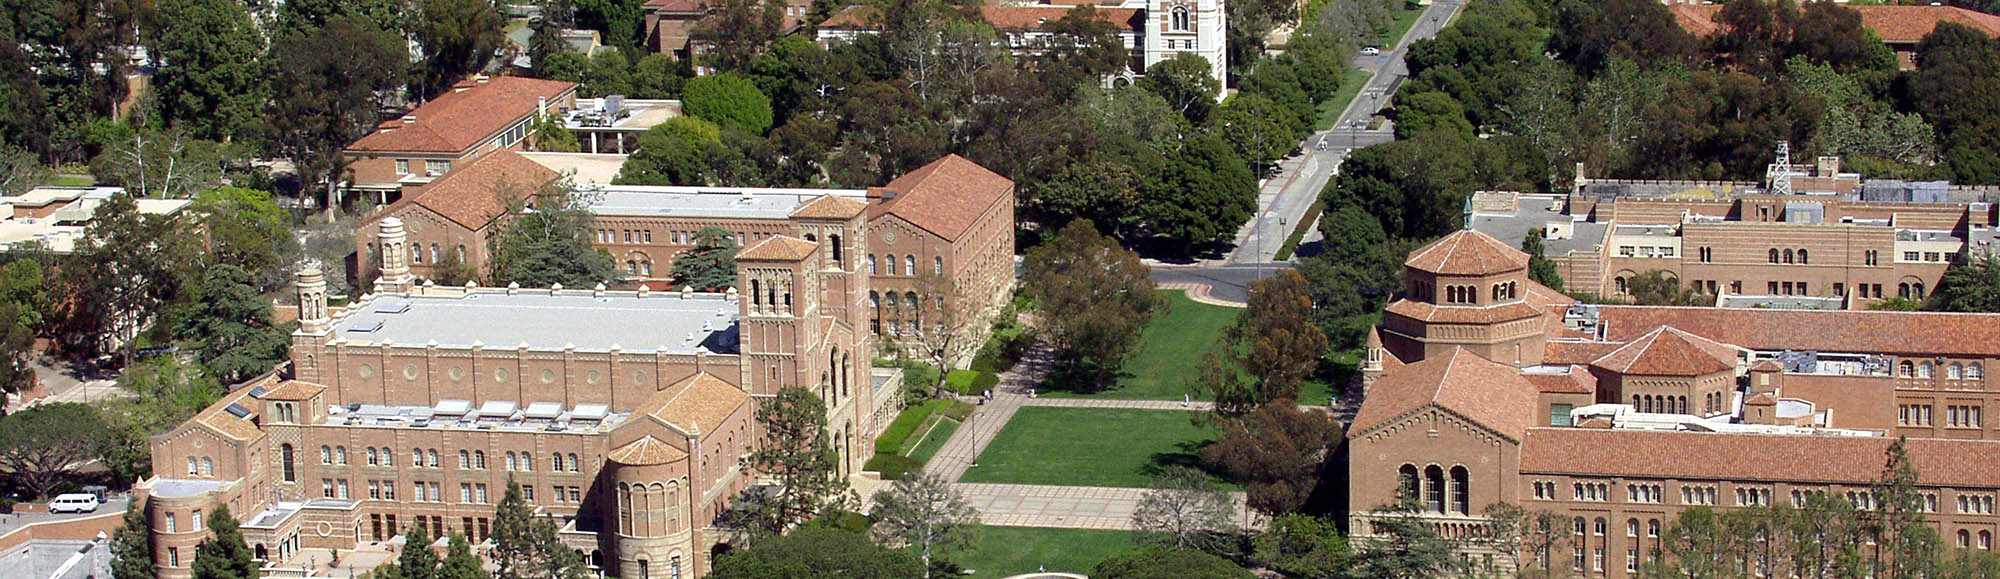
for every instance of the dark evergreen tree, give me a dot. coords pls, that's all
(224, 555)
(132, 545)
(711, 265)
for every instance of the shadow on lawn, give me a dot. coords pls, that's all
(1189, 455)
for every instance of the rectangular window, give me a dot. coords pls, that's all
(173, 522)
(1931, 256)
(173, 557)
(1773, 288)
(528, 493)
(1559, 414)
(343, 488)
(575, 494)
(1909, 256)
(1803, 289)
(1666, 252)
(464, 492)
(196, 519)
(435, 168)
(402, 167)
(1839, 289)
(481, 491)
(1626, 250)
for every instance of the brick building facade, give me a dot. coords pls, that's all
(479, 116)
(624, 414)
(1623, 416)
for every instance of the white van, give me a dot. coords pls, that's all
(74, 503)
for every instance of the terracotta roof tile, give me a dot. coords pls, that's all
(1766, 366)
(1753, 457)
(1426, 312)
(646, 451)
(1575, 352)
(779, 248)
(1487, 392)
(455, 121)
(294, 390)
(945, 197)
(1853, 331)
(1003, 17)
(1467, 252)
(1576, 380)
(477, 193)
(830, 207)
(695, 403)
(1893, 24)
(1667, 351)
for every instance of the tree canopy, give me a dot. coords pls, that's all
(1095, 298)
(711, 264)
(729, 101)
(812, 552)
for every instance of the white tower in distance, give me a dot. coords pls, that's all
(1193, 26)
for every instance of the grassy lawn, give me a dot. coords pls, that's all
(1350, 85)
(1402, 23)
(1110, 447)
(928, 447)
(71, 181)
(1167, 359)
(1005, 551)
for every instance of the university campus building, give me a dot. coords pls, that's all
(950, 218)
(480, 115)
(623, 413)
(1834, 242)
(1483, 386)
(1153, 30)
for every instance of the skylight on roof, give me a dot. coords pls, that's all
(238, 410)
(392, 306)
(365, 326)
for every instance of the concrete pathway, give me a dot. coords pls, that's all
(1199, 292)
(1064, 507)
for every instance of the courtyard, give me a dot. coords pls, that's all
(1110, 447)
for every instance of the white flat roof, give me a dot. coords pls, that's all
(720, 202)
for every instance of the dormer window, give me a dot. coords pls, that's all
(1179, 19)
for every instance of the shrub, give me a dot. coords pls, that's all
(893, 466)
(891, 440)
(985, 381)
(842, 519)
(961, 381)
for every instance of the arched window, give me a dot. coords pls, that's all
(1902, 290)
(910, 299)
(1788, 256)
(1622, 287)
(1964, 539)
(1802, 256)
(1986, 540)
(937, 265)
(1461, 490)
(510, 460)
(1434, 488)
(646, 267)
(910, 264)
(1181, 22)
(416, 457)
(464, 459)
(207, 466)
(556, 461)
(1406, 483)
(434, 254)
(1956, 371)
(460, 252)
(1975, 372)
(285, 460)
(573, 462)
(874, 298)
(871, 264)
(373, 458)
(625, 508)
(1652, 527)
(1632, 527)
(1906, 369)
(433, 455)
(1774, 255)
(325, 454)
(1577, 525)
(892, 264)
(527, 461)
(1925, 369)
(340, 455)
(479, 459)
(1917, 291)
(194, 466)
(416, 253)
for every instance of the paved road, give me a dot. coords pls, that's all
(114, 504)
(1225, 282)
(1283, 201)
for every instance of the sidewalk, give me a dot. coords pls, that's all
(1064, 507)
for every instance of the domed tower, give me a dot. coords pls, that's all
(1465, 290)
(650, 509)
(395, 244)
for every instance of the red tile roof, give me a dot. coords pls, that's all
(945, 197)
(1855, 331)
(1576, 381)
(830, 207)
(1002, 17)
(1467, 252)
(779, 248)
(1666, 351)
(646, 451)
(1893, 24)
(474, 194)
(455, 121)
(1574, 352)
(1483, 391)
(696, 404)
(1753, 457)
(1426, 312)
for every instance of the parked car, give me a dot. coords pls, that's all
(1370, 51)
(74, 503)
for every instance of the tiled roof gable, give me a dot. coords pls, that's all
(1667, 351)
(457, 120)
(945, 197)
(1467, 252)
(1487, 392)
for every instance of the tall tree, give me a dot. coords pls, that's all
(711, 264)
(813, 552)
(526, 546)
(1302, 546)
(458, 39)
(925, 513)
(230, 326)
(327, 85)
(550, 244)
(1274, 338)
(1184, 509)
(211, 82)
(729, 101)
(127, 268)
(132, 545)
(1541, 269)
(1957, 88)
(1908, 546)
(17, 349)
(1203, 194)
(1970, 286)
(460, 563)
(1276, 453)
(417, 560)
(797, 456)
(1187, 83)
(43, 446)
(171, 163)
(672, 153)
(247, 229)
(738, 32)
(20, 170)
(1409, 547)
(224, 555)
(947, 318)
(1095, 297)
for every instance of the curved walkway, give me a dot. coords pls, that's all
(1199, 293)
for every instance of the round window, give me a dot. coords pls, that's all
(365, 371)
(639, 377)
(593, 377)
(410, 371)
(548, 376)
(456, 373)
(500, 374)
